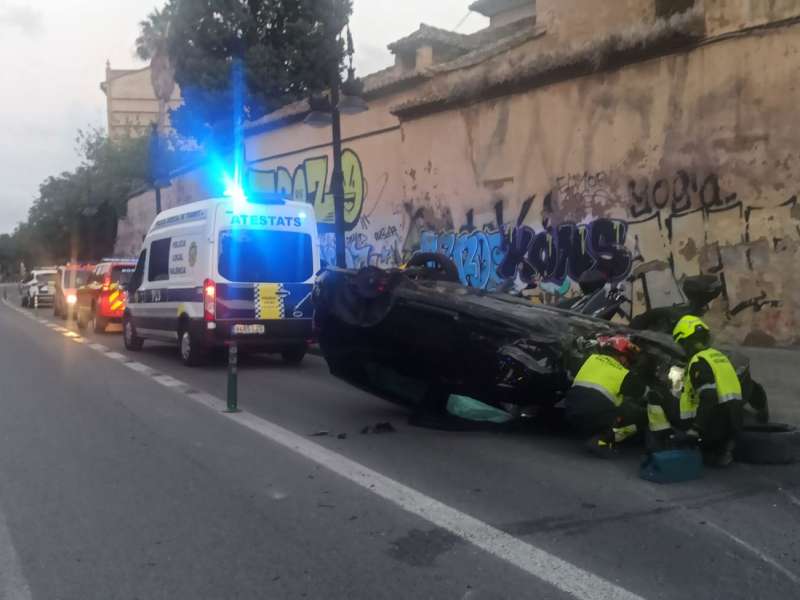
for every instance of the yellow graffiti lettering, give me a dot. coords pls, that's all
(354, 191)
(310, 183)
(283, 182)
(316, 178)
(262, 181)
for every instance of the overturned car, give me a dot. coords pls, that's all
(406, 334)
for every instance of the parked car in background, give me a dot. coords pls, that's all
(39, 288)
(102, 299)
(69, 278)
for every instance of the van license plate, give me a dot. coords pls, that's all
(248, 329)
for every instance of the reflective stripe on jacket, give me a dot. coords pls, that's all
(726, 382)
(604, 374)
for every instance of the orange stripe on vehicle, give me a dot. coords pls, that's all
(113, 296)
(117, 305)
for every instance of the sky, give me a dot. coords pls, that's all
(53, 55)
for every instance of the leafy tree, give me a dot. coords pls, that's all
(74, 216)
(287, 49)
(152, 45)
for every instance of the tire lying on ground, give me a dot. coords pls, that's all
(768, 444)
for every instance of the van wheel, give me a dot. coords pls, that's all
(193, 353)
(132, 341)
(294, 355)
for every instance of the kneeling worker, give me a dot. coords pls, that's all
(711, 401)
(606, 400)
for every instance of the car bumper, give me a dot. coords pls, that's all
(277, 334)
(42, 299)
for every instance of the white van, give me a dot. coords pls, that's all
(220, 270)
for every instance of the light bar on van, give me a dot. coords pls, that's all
(235, 192)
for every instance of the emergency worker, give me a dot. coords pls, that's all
(606, 400)
(711, 401)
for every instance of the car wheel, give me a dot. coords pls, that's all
(98, 323)
(132, 341)
(768, 444)
(193, 353)
(294, 355)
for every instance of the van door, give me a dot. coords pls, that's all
(154, 317)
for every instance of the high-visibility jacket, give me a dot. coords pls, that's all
(726, 382)
(604, 374)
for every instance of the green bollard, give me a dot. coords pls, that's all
(233, 373)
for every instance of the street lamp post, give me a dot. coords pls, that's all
(344, 98)
(337, 177)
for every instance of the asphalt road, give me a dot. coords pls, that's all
(120, 477)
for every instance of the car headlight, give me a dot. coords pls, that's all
(71, 298)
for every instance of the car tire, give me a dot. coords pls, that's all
(294, 355)
(99, 324)
(24, 301)
(132, 341)
(444, 270)
(191, 350)
(768, 444)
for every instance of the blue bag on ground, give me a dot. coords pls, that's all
(474, 410)
(672, 466)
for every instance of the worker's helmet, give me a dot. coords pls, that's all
(689, 326)
(619, 346)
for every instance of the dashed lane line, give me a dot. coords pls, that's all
(539, 563)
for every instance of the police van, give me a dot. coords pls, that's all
(224, 270)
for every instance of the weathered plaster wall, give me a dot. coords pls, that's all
(723, 16)
(689, 160)
(574, 21)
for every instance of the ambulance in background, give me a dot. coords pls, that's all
(219, 270)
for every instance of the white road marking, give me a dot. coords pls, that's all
(168, 381)
(13, 585)
(138, 367)
(792, 498)
(99, 347)
(539, 563)
(764, 557)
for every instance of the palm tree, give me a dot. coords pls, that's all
(152, 45)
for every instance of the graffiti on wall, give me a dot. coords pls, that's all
(372, 242)
(679, 193)
(476, 254)
(311, 182)
(554, 255)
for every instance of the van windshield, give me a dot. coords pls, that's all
(265, 256)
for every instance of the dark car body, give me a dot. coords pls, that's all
(102, 299)
(401, 337)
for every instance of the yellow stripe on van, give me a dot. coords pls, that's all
(269, 301)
